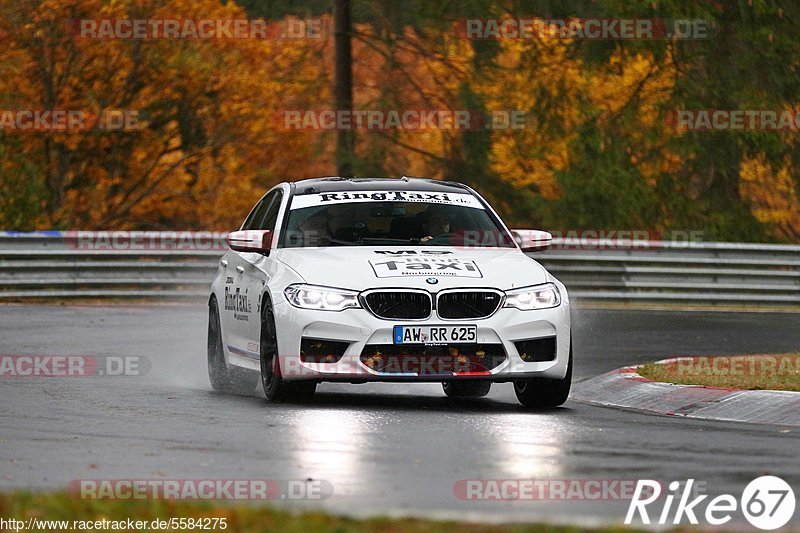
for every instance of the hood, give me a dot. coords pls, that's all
(360, 268)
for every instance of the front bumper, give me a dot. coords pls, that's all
(361, 329)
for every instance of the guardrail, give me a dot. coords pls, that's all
(65, 265)
(170, 265)
(699, 273)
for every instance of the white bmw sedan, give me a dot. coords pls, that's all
(384, 279)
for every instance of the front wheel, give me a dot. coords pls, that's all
(276, 389)
(544, 393)
(220, 375)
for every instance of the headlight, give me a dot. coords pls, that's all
(320, 298)
(537, 297)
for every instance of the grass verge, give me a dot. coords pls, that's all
(748, 372)
(238, 518)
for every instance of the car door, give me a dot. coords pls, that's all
(238, 306)
(258, 270)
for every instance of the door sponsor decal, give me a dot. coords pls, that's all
(239, 303)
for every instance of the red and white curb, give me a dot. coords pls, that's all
(626, 389)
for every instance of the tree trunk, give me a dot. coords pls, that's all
(343, 83)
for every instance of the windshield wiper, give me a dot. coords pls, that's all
(411, 240)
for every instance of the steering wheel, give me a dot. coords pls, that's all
(442, 238)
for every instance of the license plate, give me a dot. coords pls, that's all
(435, 334)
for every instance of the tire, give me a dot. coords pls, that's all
(466, 389)
(544, 393)
(276, 389)
(222, 377)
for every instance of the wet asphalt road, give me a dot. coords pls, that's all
(384, 448)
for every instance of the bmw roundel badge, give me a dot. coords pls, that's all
(432, 281)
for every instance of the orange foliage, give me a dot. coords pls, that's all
(208, 109)
(211, 144)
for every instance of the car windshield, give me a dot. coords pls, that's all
(391, 218)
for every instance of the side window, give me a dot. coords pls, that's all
(257, 215)
(271, 216)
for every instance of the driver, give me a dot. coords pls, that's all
(316, 228)
(436, 223)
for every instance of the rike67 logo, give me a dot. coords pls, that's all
(767, 502)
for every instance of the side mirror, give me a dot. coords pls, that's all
(532, 240)
(250, 240)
